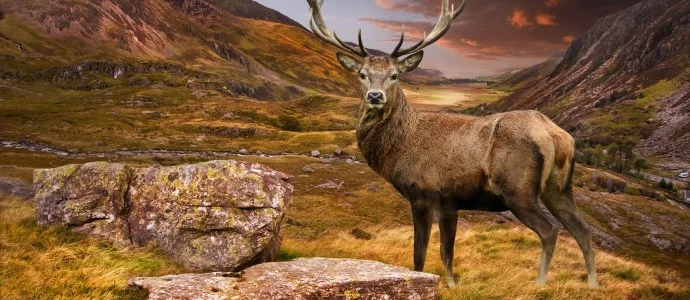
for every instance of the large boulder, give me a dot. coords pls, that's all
(220, 215)
(213, 216)
(310, 278)
(13, 187)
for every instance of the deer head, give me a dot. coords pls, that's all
(379, 74)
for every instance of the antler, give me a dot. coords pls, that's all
(330, 37)
(448, 14)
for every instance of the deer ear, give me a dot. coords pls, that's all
(411, 62)
(348, 62)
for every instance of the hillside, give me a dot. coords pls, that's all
(625, 81)
(251, 9)
(95, 75)
(513, 80)
(196, 40)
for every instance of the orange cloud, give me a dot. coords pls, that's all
(568, 38)
(389, 5)
(472, 43)
(546, 20)
(519, 19)
(553, 3)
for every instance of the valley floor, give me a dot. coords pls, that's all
(496, 257)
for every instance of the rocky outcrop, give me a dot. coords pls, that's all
(213, 216)
(12, 187)
(313, 278)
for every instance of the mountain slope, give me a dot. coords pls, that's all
(204, 39)
(625, 81)
(253, 10)
(527, 76)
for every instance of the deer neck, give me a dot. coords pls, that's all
(382, 133)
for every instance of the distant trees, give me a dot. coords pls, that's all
(667, 185)
(640, 164)
(617, 157)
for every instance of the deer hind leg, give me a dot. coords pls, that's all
(562, 206)
(448, 224)
(422, 218)
(530, 214)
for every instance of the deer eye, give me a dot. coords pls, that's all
(394, 77)
(363, 76)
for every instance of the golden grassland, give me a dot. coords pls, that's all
(366, 219)
(500, 262)
(53, 263)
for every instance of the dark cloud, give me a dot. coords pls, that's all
(505, 28)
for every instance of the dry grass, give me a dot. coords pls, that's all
(501, 263)
(53, 263)
(365, 219)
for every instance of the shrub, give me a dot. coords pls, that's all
(360, 234)
(286, 255)
(289, 123)
(663, 184)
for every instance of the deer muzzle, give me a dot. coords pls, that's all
(376, 99)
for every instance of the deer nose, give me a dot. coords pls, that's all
(375, 97)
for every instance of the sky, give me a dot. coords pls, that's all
(489, 37)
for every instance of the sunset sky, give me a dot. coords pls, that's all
(490, 36)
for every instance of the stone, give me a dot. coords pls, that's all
(212, 216)
(13, 187)
(307, 169)
(328, 161)
(315, 153)
(244, 152)
(89, 198)
(330, 185)
(305, 278)
(338, 152)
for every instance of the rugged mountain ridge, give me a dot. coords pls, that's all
(253, 10)
(626, 80)
(212, 40)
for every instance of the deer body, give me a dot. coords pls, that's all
(442, 163)
(452, 159)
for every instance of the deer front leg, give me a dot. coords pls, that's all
(448, 224)
(422, 219)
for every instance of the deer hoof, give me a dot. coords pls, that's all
(451, 281)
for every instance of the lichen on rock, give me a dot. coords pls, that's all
(305, 278)
(212, 216)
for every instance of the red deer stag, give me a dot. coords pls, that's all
(443, 163)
